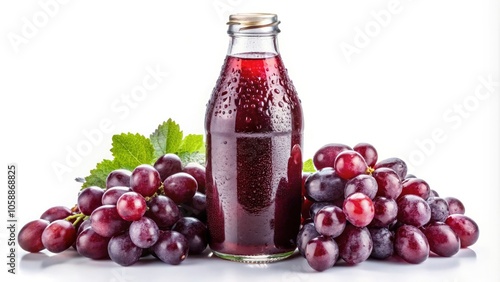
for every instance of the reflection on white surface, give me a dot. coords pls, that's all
(69, 266)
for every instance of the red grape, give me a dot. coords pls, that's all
(368, 152)
(350, 164)
(415, 186)
(180, 187)
(172, 247)
(413, 210)
(195, 232)
(144, 232)
(363, 183)
(145, 180)
(92, 245)
(411, 244)
(321, 253)
(55, 213)
(324, 186)
(106, 221)
(466, 229)
(58, 236)
(396, 164)
(123, 251)
(167, 165)
(358, 209)
(388, 182)
(30, 236)
(89, 199)
(131, 206)
(330, 221)
(326, 155)
(355, 244)
(455, 206)
(386, 212)
(197, 171)
(118, 177)
(306, 233)
(443, 241)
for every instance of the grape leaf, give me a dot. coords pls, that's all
(131, 150)
(166, 138)
(192, 143)
(308, 166)
(99, 174)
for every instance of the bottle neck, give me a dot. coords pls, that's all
(253, 46)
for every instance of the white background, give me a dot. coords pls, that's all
(66, 68)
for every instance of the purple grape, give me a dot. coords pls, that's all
(321, 253)
(368, 152)
(90, 199)
(171, 247)
(55, 213)
(324, 186)
(358, 209)
(197, 171)
(123, 251)
(465, 227)
(180, 187)
(411, 244)
(326, 155)
(145, 180)
(106, 221)
(363, 183)
(306, 233)
(167, 165)
(92, 245)
(144, 232)
(58, 236)
(388, 182)
(30, 235)
(443, 241)
(131, 206)
(118, 177)
(415, 186)
(396, 164)
(383, 242)
(196, 207)
(386, 212)
(350, 164)
(163, 211)
(439, 209)
(316, 206)
(111, 195)
(455, 206)
(195, 232)
(330, 221)
(355, 244)
(433, 193)
(413, 210)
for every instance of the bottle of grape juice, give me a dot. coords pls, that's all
(254, 125)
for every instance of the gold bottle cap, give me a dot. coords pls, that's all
(246, 21)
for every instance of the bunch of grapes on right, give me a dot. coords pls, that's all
(357, 207)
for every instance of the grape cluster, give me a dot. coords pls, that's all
(356, 207)
(157, 210)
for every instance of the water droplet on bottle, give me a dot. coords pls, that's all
(280, 104)
(248, 119)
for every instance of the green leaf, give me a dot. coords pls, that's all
(99, 174)
(166, 138)
(308, 166)
(131, 150)
(192, 143)
(188, 157)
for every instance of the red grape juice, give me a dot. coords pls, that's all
(254, 130)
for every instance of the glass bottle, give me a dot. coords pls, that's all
(253, 127)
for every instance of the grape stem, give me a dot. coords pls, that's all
(369, 170)
(77, 217)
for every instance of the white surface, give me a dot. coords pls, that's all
(400, 88)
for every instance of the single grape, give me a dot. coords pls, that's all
(123, 251)
(144, 232)
(433, 193)
(163, 211)
(180, 187)
(396, 164)
(324, 186)
(411, 244)
(85, 224)
(368, 152)
(326, 155)
(413, 210)
(106, 221)
(443, 241)
(386, 212)
(388, 182)
(465, 227)
(195, 232)
(111, 195)
(350, 164)
(30, 235)
(196, 207)
(306, 233)
(55, 213)
(197, 171)
(118, 177)
(90, 199)
(171, 247)
(358, 209)
(131, 206)
(415, 186)
(330, 221)
(167, 165)
(92, 245)
(305, 175)
(355, 244)
(306, 209)
(439, 209)
(321, 253)
(58, 236)
(363, 183)
(383, 242)
(145, 180)
(455, 206)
